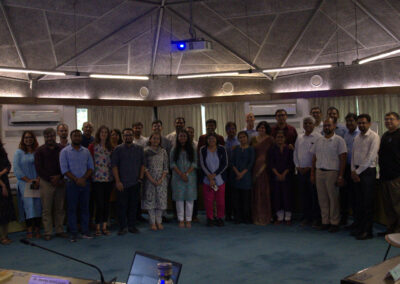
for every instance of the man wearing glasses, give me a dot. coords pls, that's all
(289, 131)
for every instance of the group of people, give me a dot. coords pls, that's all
(248, 177)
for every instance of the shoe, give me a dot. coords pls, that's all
(165, 220)
(122, 232)
(333, 229)
(153, 227)
(73, 239)
(210, 222)
(355, 232)
(98, 233)
(220, 223)
(87, 236)
(106, 232)
(188, 224)
(181, 224)
(62, 235)
(316, 224)
(160, 226)
(352, 226)
(133, 230)
(323, 227)
(47, 237)
(288, 222)
(364, 236)
(195, 219)
(5, 241)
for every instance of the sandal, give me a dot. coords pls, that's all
(98, 233)
(106, 232)
(5, 241)
(160, 226)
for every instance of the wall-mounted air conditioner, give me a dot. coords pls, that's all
(34, 117)
(268, 110)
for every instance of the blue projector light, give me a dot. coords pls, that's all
(181, 45)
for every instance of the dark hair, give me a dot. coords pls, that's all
(156, 121)
(211, 120)
(351, 115)
(180, 118)
(364, 115)
(187, 147)
(127, 129)
(22, 144)
(48, 130)
(316, 107)
(74, 131)
(97, 139)
(395, 114)
(208, 136)
(280, 110)
(281, 132)
(229, 124)
(137, 124)
(333, 108)
(116, 130)
(266, 125)
(191, 127)
(152, 134)
(3, 155)
(243, 132)
(61, 124)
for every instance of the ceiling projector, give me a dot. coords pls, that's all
(190, 45)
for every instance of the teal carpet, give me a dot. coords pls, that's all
(231, 254)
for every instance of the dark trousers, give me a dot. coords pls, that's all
(33, 222)
(241, 201)
(102, 192)
(281, 195)
(364, 200)
(391, 203)
(127, 201)
(346, 192)
(78, 197)
(229, 193)
(309, 197)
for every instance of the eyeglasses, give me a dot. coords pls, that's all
(28, 137)
(128, 135)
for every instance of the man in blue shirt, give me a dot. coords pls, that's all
(347, 191)
(77, 166)
(334, 114)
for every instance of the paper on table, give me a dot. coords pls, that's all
(395, 273)
(37, 279)
(33, 193)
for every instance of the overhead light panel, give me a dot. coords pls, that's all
(298, 68)
(379, 56)
(124, 77)
(31, 71)
(208, 75)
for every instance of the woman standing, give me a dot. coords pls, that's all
(184, 179)
(261, 195)
(7, 213)
(154, 197)
(115, 138)
(102, 177)
(30, 208)
(214, 162)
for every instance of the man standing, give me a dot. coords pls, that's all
(52, 187)
(363, 173)
(211, 125)
(190, 130)
(347, 191)
(231, 142)
(87, 137)
(179, 125)
(316, 113)
(156, 127)
(303, 161)
(62, 131)
(127, 162)
(389, 170)
(250, 118)
(329, 162)
(334, 114)
(289, 131)
(138, 139)
(77, 165)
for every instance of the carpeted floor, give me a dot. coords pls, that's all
(231, 254)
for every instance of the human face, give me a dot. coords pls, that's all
(391, 122)
(76, 138)
(87, 129)
(212, 141)
(363, 125)
(28, 139)
(329, 126)
(281, 117)
(103, 134)
(243, 139)
(62, 131)
(317, 114)
(261, 130)
(280, 139)
(50, 139)
(156, 127)
(190, 131)
(114, 136)
(250, 118)
(155, 140)
(128, 136)
(332, 113)
(210, 127)
(182, 138)
(137, 130)
(308, 126)
(179, 124)
(351, 124)
(231, 131)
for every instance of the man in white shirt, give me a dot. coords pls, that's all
(251, 131)
(363, 173)
(316, 113)
(138, 139)
(303, 161)
(179, 125)
(329, 162)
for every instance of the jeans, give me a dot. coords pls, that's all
(78, 196)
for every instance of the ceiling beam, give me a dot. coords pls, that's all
(300, 37)
(184, 2)
(157, 38)
(376, 20)
(146, 1)
(265, 39)
(103, 39)
(227, 48)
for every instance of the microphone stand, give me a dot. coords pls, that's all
(27, 242)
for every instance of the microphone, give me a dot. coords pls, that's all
(29, 243)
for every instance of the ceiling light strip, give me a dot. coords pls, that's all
(204, 75)
(298, 68)
(31, 71)
(379, 56)
(124, 77)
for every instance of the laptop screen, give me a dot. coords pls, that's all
(144, 269)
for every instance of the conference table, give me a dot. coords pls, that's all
(23, 277)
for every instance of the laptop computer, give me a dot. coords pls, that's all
(144, 269)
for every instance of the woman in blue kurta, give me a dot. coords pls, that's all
(183, 163)
(242, 163)
(30, 208)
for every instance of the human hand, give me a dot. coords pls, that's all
(120, 186)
